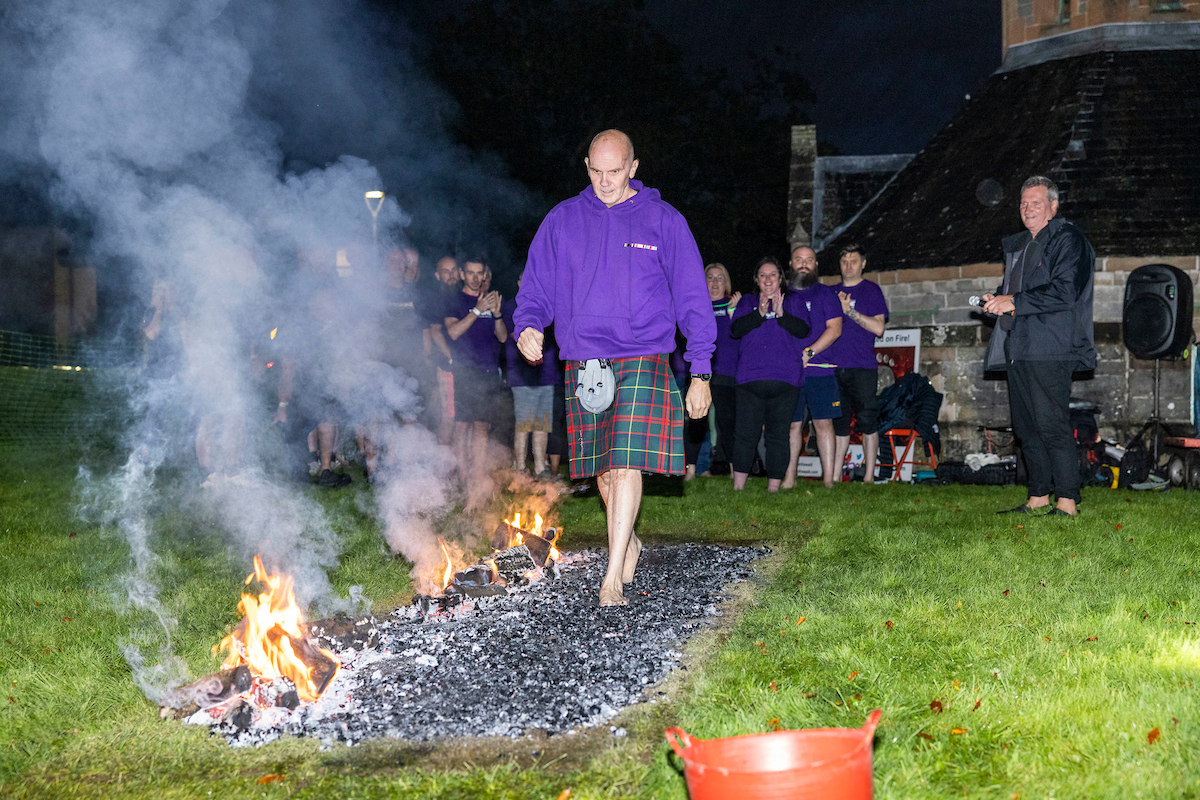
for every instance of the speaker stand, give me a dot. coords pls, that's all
(1155, 426)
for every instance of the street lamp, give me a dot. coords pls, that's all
(374, 203)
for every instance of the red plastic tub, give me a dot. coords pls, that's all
(827, 763)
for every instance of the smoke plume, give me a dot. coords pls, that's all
(188, 134)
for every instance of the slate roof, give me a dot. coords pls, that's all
(1119, 133)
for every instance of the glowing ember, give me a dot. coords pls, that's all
(272, 638)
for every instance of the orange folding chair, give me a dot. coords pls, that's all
(903, 441)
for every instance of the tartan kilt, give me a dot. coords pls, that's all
(642, 429)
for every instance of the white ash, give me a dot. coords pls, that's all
(543, 658)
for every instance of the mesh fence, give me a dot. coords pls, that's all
(44, 391)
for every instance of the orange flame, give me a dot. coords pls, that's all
(449, 565)
(264, 640)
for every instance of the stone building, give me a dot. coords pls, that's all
(1101, 95)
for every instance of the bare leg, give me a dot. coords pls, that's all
(204, 436)
(841, 445)
(826, 447)
(689, 472)
(479, 484)
(325, 439)
(540, 441)
(233, 441)
(773, 485)
(870, 455)
(520, 447)
(739, 480)
(555, 461)
(794, 436)
(622, 491)
(462, 439)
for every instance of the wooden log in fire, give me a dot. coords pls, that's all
(513, 563)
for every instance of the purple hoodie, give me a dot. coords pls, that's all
(616, 281)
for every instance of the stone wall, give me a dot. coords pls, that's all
(953, 341)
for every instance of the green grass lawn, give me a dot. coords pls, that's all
(1063, 653)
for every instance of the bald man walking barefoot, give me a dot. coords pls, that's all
(616, 269)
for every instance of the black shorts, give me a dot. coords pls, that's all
(477, 395)
(859, 399)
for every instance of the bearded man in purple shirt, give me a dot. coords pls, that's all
(616, 269)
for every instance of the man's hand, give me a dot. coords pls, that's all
(805, 359)
(699, 398)
(845, 298)
(529, 343)
(998, 304)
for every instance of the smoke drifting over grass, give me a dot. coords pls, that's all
(152, 116)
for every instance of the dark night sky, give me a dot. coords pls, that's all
(887, 73)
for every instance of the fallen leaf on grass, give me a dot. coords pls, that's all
(72, 535)
(799, 620)
(890, 624)
(270, 778)
(1006, 592)
(1145, 616)
(773, 723)
(957, 731)
(1174, 721)
(957, 685)
(12, 699)
(925, 736)
(809, 695)
(1152, 736)
(1047, 638)
(67, 619)
(1073, 555)
(772, 686)
(853, 675)
(978, 703)
(1019, 527)
(936, 706)
(1118, 526)
(1131, 540)
(565, 794)
(1092, 638)
(858, 697)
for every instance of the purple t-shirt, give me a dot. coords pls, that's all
(769, 353)
(478, 348)
(855, 348)
(725, 358)
(517, 370)
(823, 305)
(616, 281)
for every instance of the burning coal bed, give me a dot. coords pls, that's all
(535, 657)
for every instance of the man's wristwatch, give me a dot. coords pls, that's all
(477, 312)
(810, 352)
(703, 376)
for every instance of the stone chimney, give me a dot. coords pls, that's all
(800, 185)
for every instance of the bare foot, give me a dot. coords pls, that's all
(632, 553)
(612, 597)
(787, 484)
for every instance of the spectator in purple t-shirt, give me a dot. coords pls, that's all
(724, 365)
(533, 395)
(864, 312)
(819, 396)
(770, 325)
(476, 331)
